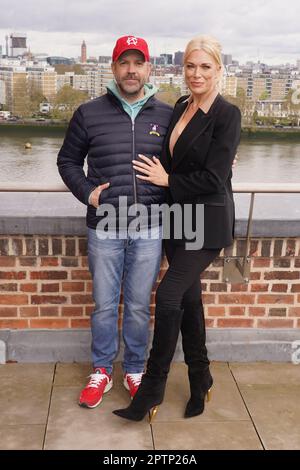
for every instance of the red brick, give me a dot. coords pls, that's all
(89, 309)
(235, 322)
(79, 274)
(259, 287)
(13, 324)
(261, 262)
(4, 246)
(216, 311)
(209, 322)
(214, 275)
(10, 287)
(257, 311)
(275, 299)
(84, 262)
(277, 312)
(15, 299)
(43, 246)
(239, 311)
(279, 287)
(7, 261)
(80, 323)
(89, 287)
(82, 245)
(49, 311)
(290, 248)
(48, 275)
(282, 263)
(13, 275)
(274, 323)
(73, 286)
(236, 299)
(50, 287)
(8, 312)
(218, 287)
(28, 287)
(48, 299)
(208, 299)
(295, 288)
(239, 287)
(282, 275)
(71, 247)
(29, 312)
(28, 261)
(255, 276)
(17, 246)
(70, 262)
(49, 261)
(82, 299)
(72, 311)
(294, 312)
(49, 323)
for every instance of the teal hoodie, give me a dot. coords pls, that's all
(132, 108)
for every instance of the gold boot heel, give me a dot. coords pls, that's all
(152, 414)
(208, 395)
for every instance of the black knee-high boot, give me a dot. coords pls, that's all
(195, 356)
(152, 388)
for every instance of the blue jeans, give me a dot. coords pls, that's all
(136, 262)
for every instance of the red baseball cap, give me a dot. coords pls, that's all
(126, 43)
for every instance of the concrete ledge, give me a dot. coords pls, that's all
(61, 214)
(2, 352)
(236, 345)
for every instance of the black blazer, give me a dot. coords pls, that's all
(200, 169)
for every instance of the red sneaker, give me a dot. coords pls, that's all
(132, 382)
(100, 383)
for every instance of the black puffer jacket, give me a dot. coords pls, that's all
(102, 130)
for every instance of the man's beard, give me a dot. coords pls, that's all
(131, 92)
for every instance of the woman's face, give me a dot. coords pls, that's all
(201, 72)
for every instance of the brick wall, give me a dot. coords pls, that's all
(45, 283)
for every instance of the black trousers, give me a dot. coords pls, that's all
(181, 284)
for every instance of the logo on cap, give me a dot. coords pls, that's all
(132, 40)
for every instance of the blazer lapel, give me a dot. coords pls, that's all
(166, 159)
(192, 131)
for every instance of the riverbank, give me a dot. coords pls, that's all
(59, 128)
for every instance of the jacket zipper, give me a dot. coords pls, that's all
(133, 158)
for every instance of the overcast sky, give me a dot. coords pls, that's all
(265, 30)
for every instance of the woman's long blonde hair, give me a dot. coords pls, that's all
(209, 44)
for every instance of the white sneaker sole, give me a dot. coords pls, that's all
(107, 389)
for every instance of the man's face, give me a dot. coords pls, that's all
(131, 72)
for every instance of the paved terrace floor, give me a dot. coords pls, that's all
(253, 406)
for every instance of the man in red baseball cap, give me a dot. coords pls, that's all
(126, 43)
(131, 67)
(113, 130)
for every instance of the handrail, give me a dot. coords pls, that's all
(275, 188)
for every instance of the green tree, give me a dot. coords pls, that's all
(168, 94)
(21, 100)
(264, 96)
(67, 100)
(36, 97)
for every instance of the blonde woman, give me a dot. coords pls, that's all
(195, 167)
